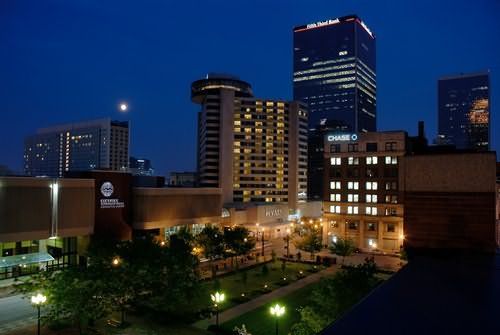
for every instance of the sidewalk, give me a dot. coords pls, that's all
(266, 298)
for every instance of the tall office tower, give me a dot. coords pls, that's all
(254, 149)
(334, 67)
(141, 167)
(97, 144)
(463, 107)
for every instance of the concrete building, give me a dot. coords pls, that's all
(97, 144)
(386, 190)
(449, 201)
(362, 201)
(254, 149)
(46, 222)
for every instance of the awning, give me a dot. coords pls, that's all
(36, 257)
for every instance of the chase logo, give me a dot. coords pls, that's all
(107, 189)
(342, 138)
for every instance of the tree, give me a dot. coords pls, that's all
(238, 242)
(211, 241)
(334, 296)
(343, 247)
(309, 240)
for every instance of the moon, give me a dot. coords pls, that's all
(123, 107)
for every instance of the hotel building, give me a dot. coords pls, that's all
(334, 73)
(97, 144)
(362, 200)
(254, 149)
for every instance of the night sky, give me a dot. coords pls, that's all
(64, 61)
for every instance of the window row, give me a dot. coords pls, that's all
(370, 147)
(371, 160)
(370, 185)
(369, 210)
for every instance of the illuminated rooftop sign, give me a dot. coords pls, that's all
(335, 21)
(322, 23)
(342, 138)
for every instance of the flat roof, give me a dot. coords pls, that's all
(431, 295)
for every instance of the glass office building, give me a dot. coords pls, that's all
(334, 73)
(464, 113)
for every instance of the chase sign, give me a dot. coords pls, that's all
(342, 138)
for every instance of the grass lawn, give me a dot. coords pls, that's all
(260, 322)
(234, 285)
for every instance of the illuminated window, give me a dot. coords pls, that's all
(371, 160)
(335, 209)
(391, 160)
(335, 197)
(335, 161)
(352, 198)
(353, 185)
(353, 160)
(371, 210)
(335, 185)
(371, 198)
(371, 185)
(352, 209)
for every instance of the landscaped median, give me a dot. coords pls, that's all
(247, 284)
(309, 308)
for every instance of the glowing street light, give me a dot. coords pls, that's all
(115, 261)
(217, 299)
(277, 311)
(38, 300)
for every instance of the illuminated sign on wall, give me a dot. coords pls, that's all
(107, 190)
(273, 212)
(342, 138)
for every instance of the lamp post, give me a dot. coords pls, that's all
(217, 299)
(262, 242)
(287, 239)
(38, 300)
(277, 311)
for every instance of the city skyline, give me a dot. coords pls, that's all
(135, 64)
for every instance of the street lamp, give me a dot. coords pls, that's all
(115, 261)
(287, 239)
(262, 241)
(217, 299)
(277, 311)
(38, 300)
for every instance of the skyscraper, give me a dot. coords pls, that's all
(334, 73)
(140, 167)
(254, 149)
(97, 144)
(464, 113)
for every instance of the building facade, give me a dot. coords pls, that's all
(183, 179)
(464, 111)
(362, 200)
(141, 167)
(254, 149)
(98, 144)
(449, 201)
(334, 73)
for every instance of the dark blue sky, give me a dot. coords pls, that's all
(63, 61)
